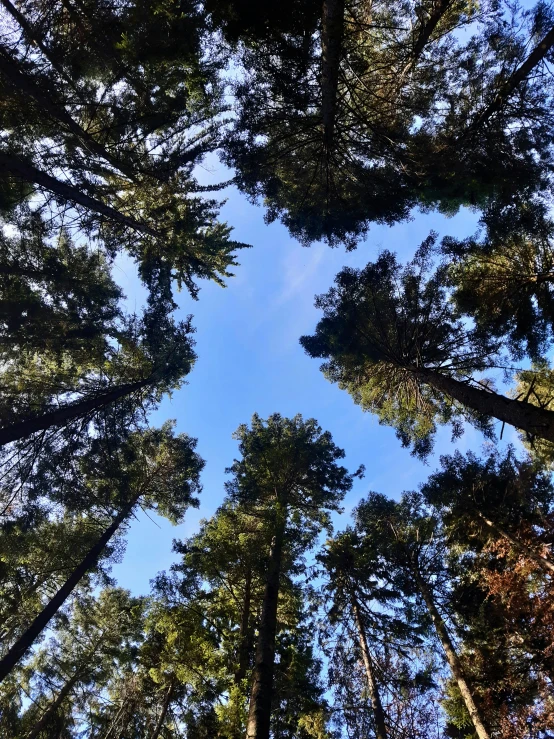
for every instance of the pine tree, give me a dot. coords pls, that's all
(503, 281)
(408, 541)
(155, 469)
(373, 108)
(289, 473)
(395, 342)
(114, 126)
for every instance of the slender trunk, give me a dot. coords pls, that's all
(425, 33)
(53, 707)
(524, 416)
(25, 171)
(244, 634)
(22, 83)
(534, 58)
(451, 655)
(378, 713)
(68, 413)
(259, 713)
(543, 562)
(35, 38)
(26, 640)
(332, 30)
(160, 722)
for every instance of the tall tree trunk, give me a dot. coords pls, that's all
(27, 172)
(332, 31)
(26, 640)
(525, 416)
(68, 413)
(23, 83)
(36, 38)
(53, 707)
(534, 58)
(378, 713)
(425, 33)
(542, 562)
(161, 718)
(259, 713)
(244, 633)
(451, 655)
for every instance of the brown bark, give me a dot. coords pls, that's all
(53, 707)
(543, 562)
(27, 639)
(27, 172)
(534, 58)
(160, 722)
(259, 713)
(378, 713)
(524, 416)
(244, 633)
(451, 655)
(332, 30)
(68, 413)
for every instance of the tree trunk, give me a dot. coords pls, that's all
(26, 640)
(425, 33)
(525, 416)
(22, 83)
(451, 655)
(244, 633)
(160, 722)
(543, 562)
(332, 30)
(35, 38)
(378, 713)
(53, 707)
(27, 172)
(259, 713)
(68, 413)
(534, 58)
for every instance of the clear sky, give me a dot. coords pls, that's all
(250, 361)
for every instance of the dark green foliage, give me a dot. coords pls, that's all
(503, 281)
(88, 93)
(355, 120)
(385, 331)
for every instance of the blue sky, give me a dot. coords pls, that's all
(249, 360)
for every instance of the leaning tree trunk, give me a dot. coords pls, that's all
(522, 72)
(259, 713)
(244, 633)
(36, 38)
(160, 722)
(524, 416)
(424, 36)
(542, 562)
(68, 413)
(378, 713)
(27, 172)
(26, 640)
(22, 83)
(332, 31)
(451, 655)
(53, 707)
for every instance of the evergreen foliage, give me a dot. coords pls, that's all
(429, 616)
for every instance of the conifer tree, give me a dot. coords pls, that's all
(289, 473)
(155, 469)
(395, 342)
(372, 108)
(114, 126)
